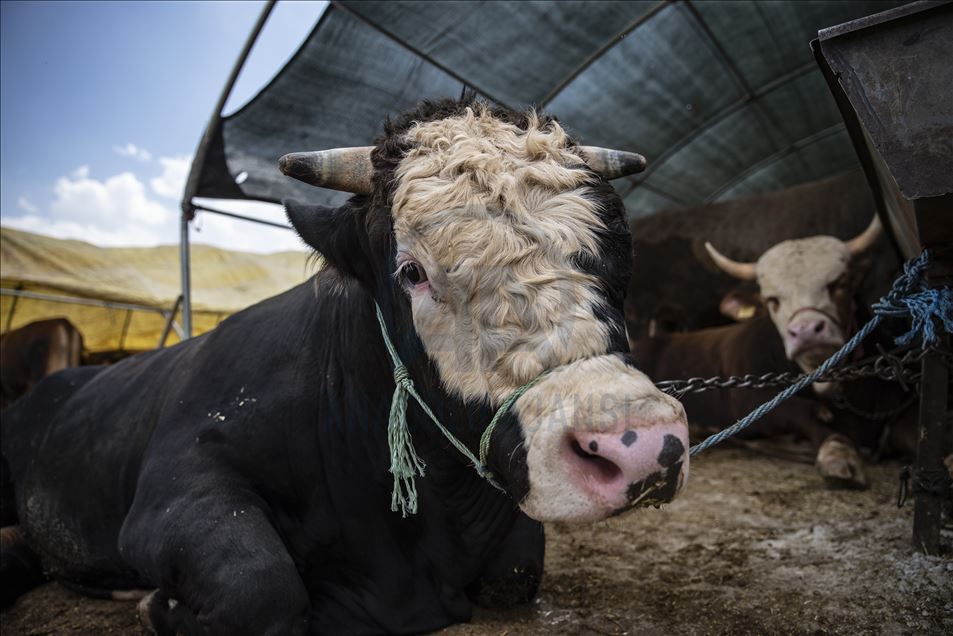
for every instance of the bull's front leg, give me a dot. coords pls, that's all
(219, 564)
(838, 460)
(840, 464)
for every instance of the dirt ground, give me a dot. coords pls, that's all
(754, 546)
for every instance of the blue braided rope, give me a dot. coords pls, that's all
(923, 306)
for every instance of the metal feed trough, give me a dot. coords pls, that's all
(892, 78)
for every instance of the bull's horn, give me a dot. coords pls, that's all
(865, 239)
(345, 169)
(612, 164)
(744, 271)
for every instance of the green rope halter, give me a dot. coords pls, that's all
(405, 465)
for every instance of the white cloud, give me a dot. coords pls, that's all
(134, 151)
(120, 198)
(112, 212)
(171, 183)
(25, 204)
(120, 210)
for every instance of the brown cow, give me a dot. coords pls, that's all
(34, 351)
(808, 288)
(676, 287)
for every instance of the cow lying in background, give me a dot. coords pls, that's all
(807, 286)
(245, 472)
(34, 351)
(677, 288)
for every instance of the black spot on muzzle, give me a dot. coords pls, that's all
(672, 451)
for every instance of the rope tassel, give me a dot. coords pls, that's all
(405, 465)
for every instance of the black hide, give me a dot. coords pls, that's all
(245, 472)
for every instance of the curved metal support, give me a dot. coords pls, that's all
(195, 172)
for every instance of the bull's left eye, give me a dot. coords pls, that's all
(413, 273)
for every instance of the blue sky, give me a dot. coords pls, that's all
(102, 105)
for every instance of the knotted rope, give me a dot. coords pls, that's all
(405, 464)
(910, 296)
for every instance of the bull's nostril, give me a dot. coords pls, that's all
(594, 446)
(596, 466)
(818, 326)
(672, 451)
(629, 437)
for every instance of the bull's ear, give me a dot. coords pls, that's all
(740, 306)
(333, 232)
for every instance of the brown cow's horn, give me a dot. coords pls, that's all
(865, 239)
(612, 164)
(345, 169)
(744, 271)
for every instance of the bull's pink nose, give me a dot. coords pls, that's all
(620, 466)
(805, 331)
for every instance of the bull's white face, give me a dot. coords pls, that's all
(804, 286)
(494, 219)
(491, 222)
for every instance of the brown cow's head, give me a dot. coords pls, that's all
(495, 243)
(807, 286)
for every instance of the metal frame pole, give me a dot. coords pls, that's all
(195, 173)
(125, 330)
(78, 300)
(934, 216)
(13, 308)
(185, 272)
(169, 321)
(242, 217)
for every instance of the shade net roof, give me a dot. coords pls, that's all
(723, 98)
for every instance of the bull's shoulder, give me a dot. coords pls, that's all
(273, 366)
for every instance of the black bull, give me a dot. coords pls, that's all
(244, 472)
(217, 466)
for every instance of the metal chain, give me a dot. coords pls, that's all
(839, 401)
(889, 366)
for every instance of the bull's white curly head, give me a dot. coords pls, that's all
(497, 218)
(512, 252)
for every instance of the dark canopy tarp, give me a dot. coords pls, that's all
(724, 98)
